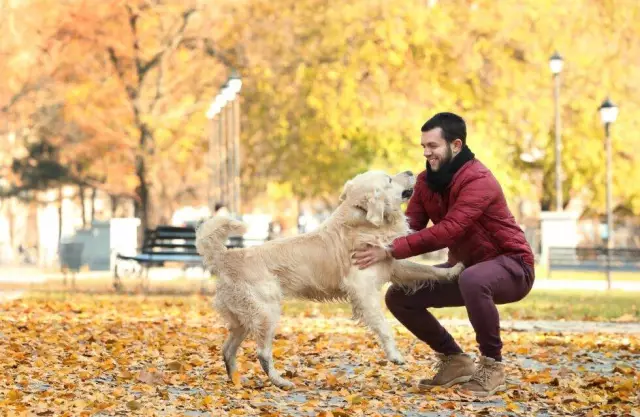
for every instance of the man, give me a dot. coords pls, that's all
(470, 217)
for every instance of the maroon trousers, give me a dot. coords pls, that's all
(501, 280)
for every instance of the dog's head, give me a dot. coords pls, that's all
(375, 195)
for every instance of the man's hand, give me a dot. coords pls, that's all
(364, 258)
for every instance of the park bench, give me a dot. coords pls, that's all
(168, 244)
(594, 259)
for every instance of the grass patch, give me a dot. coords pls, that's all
(538, 305)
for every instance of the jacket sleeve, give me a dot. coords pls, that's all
(418, 217)
(475, 195)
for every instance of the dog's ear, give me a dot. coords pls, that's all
(345, 190)
(375, 207)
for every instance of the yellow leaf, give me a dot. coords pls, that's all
(235, 378)
(84, 375)
(354, 399)
(14, 395)
(512, 407)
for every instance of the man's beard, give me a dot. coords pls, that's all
(439, 180)
(446, 161)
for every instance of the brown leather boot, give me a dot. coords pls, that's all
(488, 379)
(450, 370)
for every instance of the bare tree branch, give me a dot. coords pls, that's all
(24, 91)
(208, 47)
(173, 40)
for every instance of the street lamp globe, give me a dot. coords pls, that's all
(556, 63)
(213, 110)
(227, 92)
(608, 111)
(235, 82)
(220, 100)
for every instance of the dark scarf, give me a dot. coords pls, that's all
(439, 180)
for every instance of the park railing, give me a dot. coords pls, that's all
(598, 259)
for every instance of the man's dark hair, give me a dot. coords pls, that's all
(453, 126)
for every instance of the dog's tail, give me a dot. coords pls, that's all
(211, 236)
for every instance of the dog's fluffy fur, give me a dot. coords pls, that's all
(315, 266)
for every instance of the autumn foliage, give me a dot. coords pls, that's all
(330, 89)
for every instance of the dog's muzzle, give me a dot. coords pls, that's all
(406, 194)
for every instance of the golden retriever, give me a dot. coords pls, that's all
(315, 266)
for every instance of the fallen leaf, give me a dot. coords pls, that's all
(134, 405)
(150, 378)
(175, 366)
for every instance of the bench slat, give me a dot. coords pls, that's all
(176, 244)
(594, 259)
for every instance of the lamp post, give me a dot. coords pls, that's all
(234, 85)
(555, 64)
(216, 145)
(608, 114)
(225, 141)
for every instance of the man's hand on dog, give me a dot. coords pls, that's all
(370, 255)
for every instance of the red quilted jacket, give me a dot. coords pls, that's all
(471, 218)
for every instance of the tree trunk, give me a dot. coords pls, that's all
(94, 191)
(142, 191)
(142, 202)
(114, 204)
(81, 194)
(11, 217)
(60, 201)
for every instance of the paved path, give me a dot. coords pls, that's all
(559, 326)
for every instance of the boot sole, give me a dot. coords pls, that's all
(486, 394)
(455, 381)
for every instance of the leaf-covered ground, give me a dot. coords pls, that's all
(81, 355)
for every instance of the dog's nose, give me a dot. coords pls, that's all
(406, 194)
(408, 173)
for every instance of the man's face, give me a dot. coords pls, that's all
(436, 149)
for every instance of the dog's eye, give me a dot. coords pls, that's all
(390, 180)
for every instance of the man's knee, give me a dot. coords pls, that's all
(398, 299)
(472, 283)
(395, 298)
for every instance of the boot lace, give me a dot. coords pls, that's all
(482, 374)
(442, 363)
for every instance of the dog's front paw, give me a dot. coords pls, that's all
(396, 358)
(456, 270)
(283, 383)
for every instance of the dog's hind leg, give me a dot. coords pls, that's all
(367, 308)
(264, 340)
(237, 333)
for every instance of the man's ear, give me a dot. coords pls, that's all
(375, 208)
(456, 146)
(345, 190)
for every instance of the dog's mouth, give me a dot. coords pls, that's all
(406, 194)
